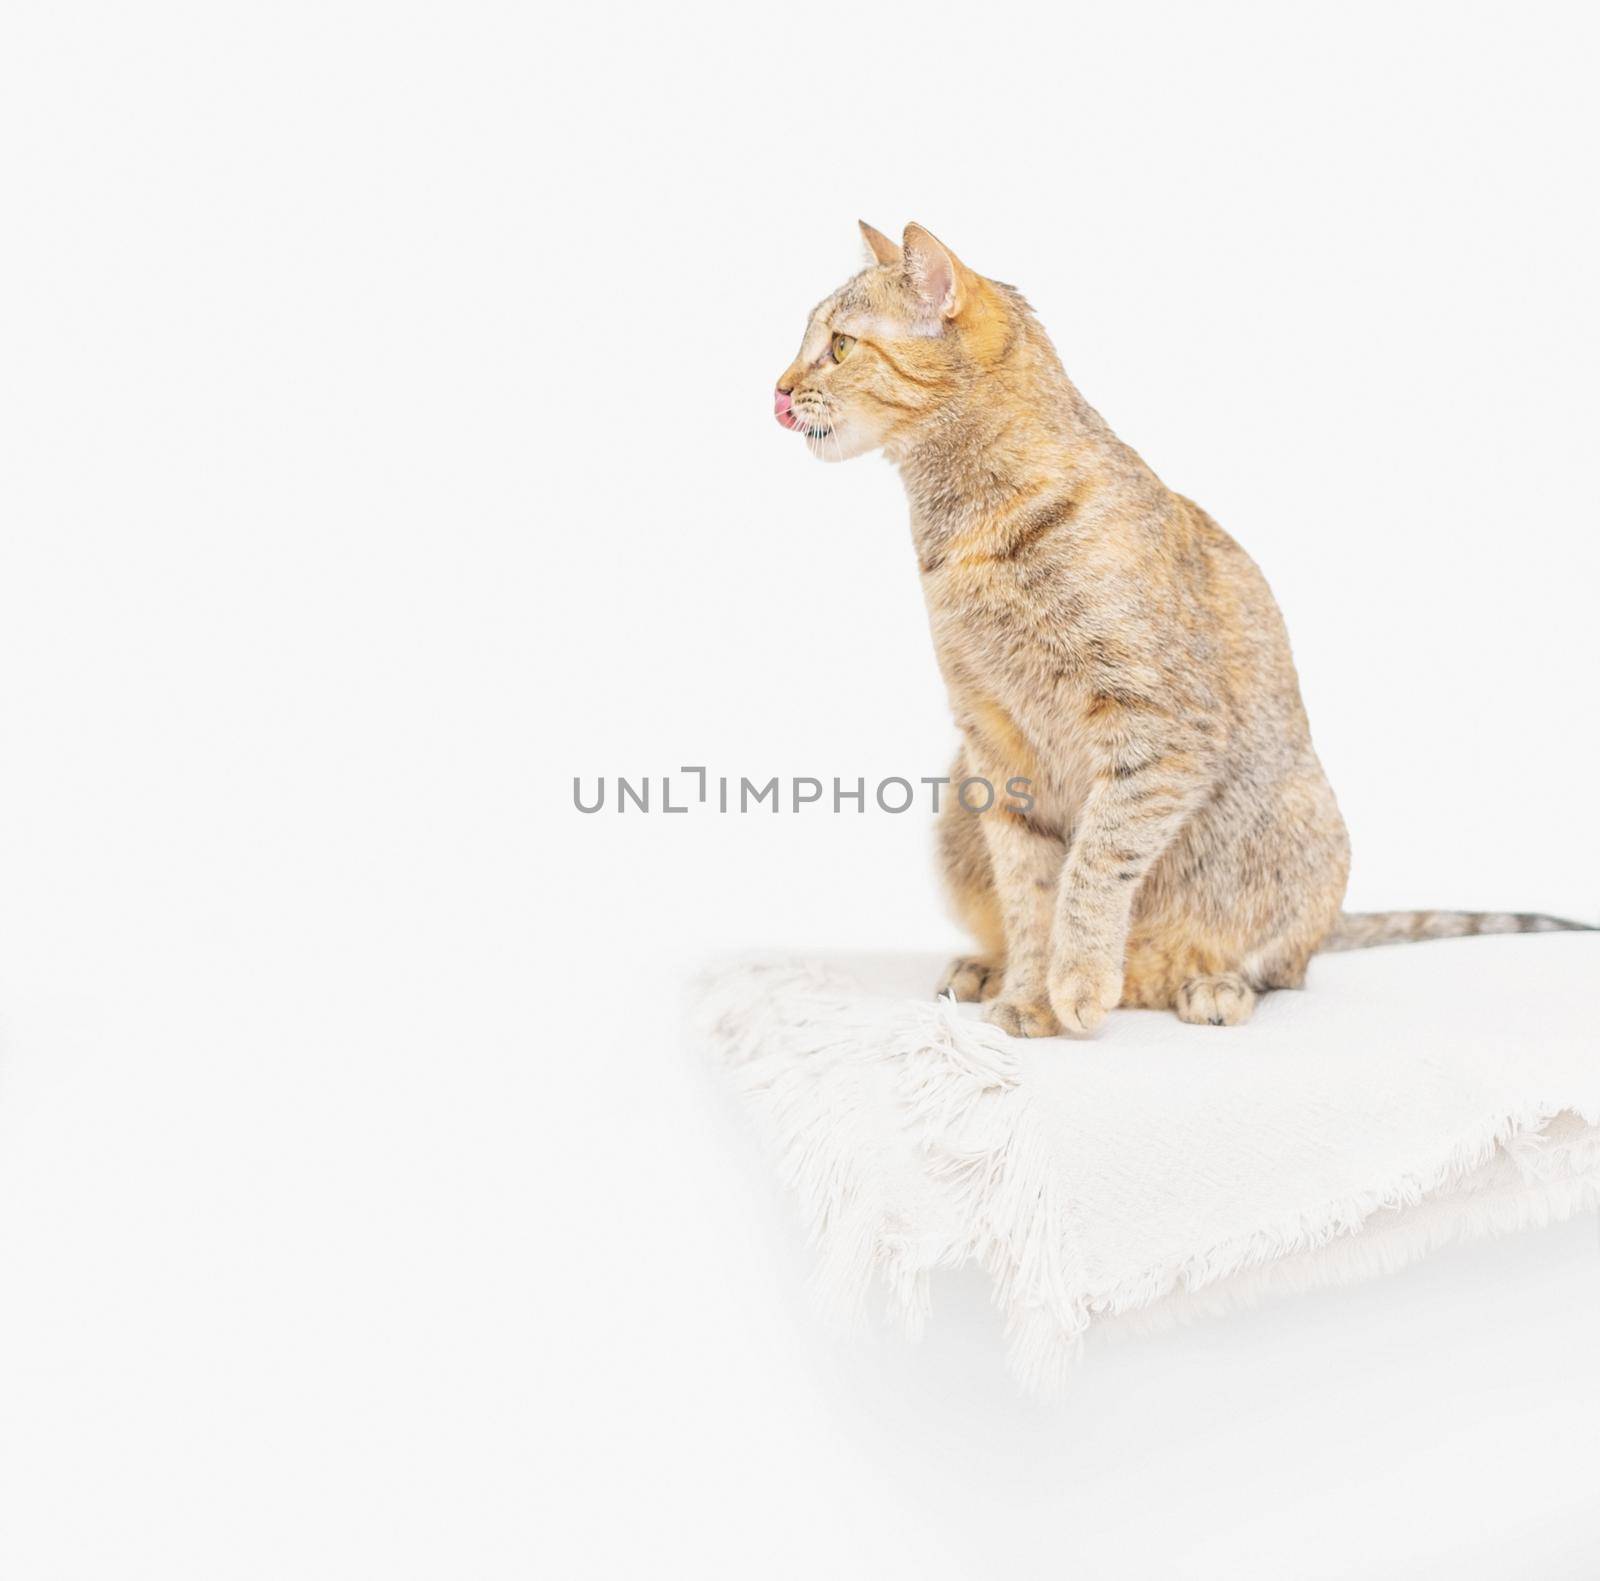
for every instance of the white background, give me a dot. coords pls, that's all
(387, 439)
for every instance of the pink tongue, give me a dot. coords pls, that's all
(781, 405)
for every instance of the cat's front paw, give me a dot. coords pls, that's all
(1022, 1018)
(1083, 991)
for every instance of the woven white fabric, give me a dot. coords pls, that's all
(1412, 1096)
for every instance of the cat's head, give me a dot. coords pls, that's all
(891, 348)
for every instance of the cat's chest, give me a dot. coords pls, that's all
(1018, 715)
(991, 650)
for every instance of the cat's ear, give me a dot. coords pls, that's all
(937, 275)
(882, 249)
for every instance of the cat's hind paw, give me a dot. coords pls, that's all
(1226, 1000)
(971, 977)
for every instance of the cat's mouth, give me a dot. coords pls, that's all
(797, 419)
(799, 422)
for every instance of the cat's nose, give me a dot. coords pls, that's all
(783, 408)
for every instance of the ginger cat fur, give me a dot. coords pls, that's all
(1102, 637)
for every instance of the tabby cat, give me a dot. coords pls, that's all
(1102, 637)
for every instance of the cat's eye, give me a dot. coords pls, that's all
(841, 346)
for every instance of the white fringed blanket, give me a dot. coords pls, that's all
(1412, 1096)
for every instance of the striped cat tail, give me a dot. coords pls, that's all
(1356, 930)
